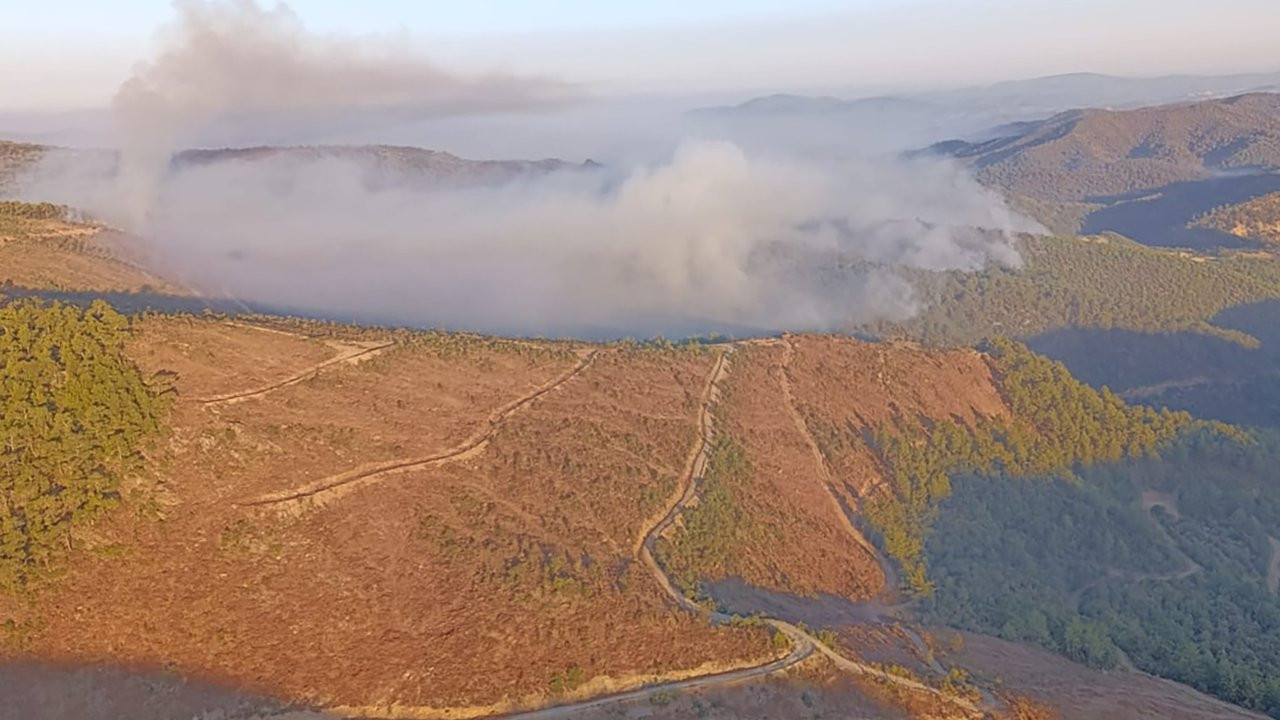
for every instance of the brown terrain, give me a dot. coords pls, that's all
(800, 407)
(47, 252)
(1086, 153)
(384, 523)
(517, 553)
(1078, 692)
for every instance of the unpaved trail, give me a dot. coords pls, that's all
(1273, 570)
(330, 488)
(719, 680)
(347, 353)
(1147, 391)
(820, 462)
(1148, 500)
(803, 645)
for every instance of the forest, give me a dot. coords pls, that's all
(1162, 563)
(1103, 282)
(1257, 219)
(1058, 424)
(76, 414)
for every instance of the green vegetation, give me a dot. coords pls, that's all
(75, 415)
(567, 680)
(712, 528)
(32, 211)
(1077, 155)
(1102, 282)
(18, 220)
(1257, 219)
(1081, 568)
(1058, 424)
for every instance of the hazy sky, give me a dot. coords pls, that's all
(74, 53)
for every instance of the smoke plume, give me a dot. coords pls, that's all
(231, 62)
(700, 236)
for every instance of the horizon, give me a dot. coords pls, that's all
(711, 50)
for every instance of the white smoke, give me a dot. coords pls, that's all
(228, 62)
(707, 237)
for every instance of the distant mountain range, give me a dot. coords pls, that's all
(1037, 96)
(975, 113)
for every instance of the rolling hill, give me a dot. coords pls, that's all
(1257, 220)
(1104, 282)
(1084, 155)
(372, 522)
(1108, 170)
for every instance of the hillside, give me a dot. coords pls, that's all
(1257, 219)
(385, 163)
(14, 157)
(311, 493)
(308, 491)
(1086, 154)
(40, 247)
(330, 516)
(1108, 170)
(1088, 282)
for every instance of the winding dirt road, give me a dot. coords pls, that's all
(347, 353)
(330, 488)
(1148, 500)
(803, 645)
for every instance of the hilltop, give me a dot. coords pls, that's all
(391, 164)
(1257, 219)
(1103, 161)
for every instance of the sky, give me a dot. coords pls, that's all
(75, 53)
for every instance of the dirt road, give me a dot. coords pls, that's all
(803, 645)
(330, 488)
(824, 474)
(347, 353)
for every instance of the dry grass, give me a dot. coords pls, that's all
(471, 584)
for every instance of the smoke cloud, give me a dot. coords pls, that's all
(233, 63)
(701, 236)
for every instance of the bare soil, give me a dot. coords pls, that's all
(56, 255)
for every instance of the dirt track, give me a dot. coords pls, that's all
(824, 474)
(348, 353)
(803, 645)
(329, 488)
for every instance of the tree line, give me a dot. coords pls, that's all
(75, 416)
